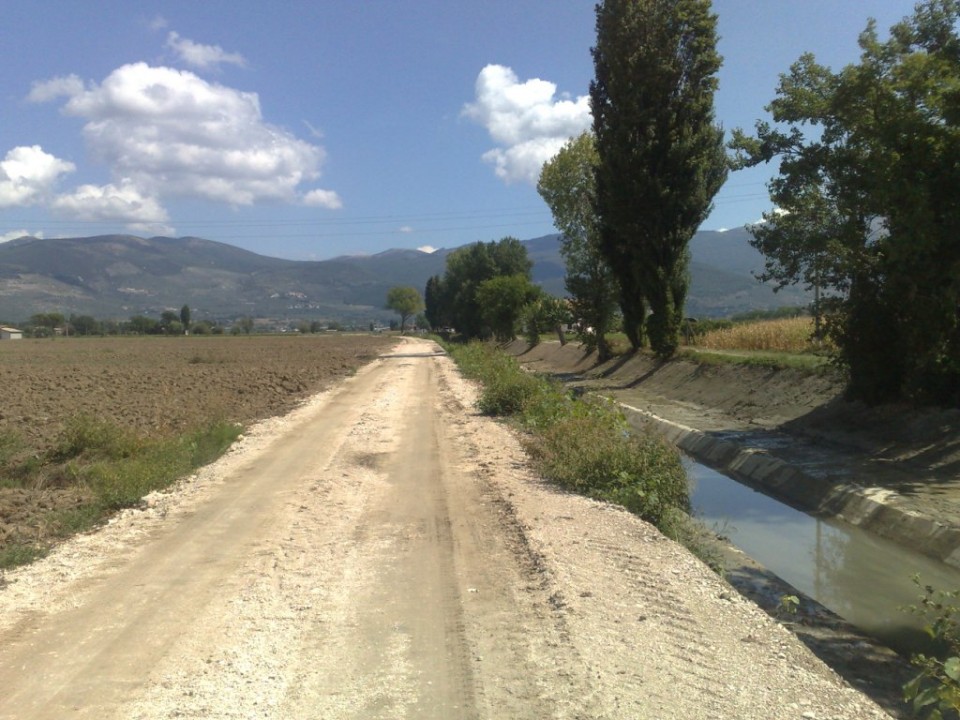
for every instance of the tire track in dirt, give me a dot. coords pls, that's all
(389, 555)
(360, 567)
(87, 659)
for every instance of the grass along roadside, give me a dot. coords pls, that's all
(95, 469)
(585, 445)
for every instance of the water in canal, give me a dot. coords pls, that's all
(861, 577)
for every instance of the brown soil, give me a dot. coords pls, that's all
(153, 386)
(384, 552)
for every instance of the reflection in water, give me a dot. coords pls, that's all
(861, 577)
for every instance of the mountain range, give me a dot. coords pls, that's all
(117, 276)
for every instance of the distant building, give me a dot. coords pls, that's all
(10, 333)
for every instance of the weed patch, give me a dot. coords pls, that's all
(583, 445)
(19, 554)
(109, 468)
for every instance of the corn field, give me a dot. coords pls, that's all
(789, 335)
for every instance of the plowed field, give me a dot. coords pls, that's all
(384, 552)
(155, 386)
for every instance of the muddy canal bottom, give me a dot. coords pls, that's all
(863, 578)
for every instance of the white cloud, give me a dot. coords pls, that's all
(14, 234)
(406, 229)
(111, 203)
(323, 198)
(429, 249)
(525, 120)
(159, 22)
(202, 56)
(777, 211)
(47, 90)
(28, 174)
(170, 132)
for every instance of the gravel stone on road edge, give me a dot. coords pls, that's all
(547, 604)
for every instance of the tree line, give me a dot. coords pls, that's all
(486, 292)
(627, 197)
(169, 322)
(866, 210)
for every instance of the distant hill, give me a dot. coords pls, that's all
(116, 276)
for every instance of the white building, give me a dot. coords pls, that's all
(10, 333)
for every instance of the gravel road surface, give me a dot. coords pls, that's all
(384, 552)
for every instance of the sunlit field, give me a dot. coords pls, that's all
(788, 335)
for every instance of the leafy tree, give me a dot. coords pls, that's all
(567, 184)
(468, 268)
(142, 325)
(545, 313)
(405, 301)
(502, 300)
(85, 325)
(866, 202)
(436, 306)
(48, 321)
(661, 156)
(185, 318)
(245, 324)
(170, 323)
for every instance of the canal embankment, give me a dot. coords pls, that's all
(878, 490)
(893, 471)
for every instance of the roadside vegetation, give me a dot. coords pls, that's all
(106, 468)
(582, 444)
(90, 427)
(934, 693)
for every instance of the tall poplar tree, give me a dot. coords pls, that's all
(661, 155)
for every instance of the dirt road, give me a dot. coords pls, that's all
(383, 552)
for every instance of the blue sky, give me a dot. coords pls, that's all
(308, 130)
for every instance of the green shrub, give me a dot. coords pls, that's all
(935, 691)
(506, 395)
(596, 454)
(506, 387)
(122, 482)
(584, 445)
(18, 554)
(90, 437)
